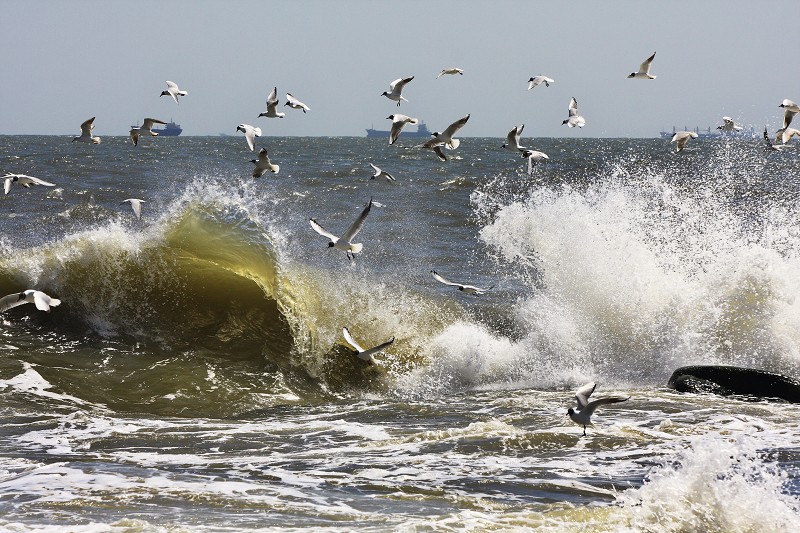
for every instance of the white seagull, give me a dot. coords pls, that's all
(250, 134)
(364, 355)
(445, 138)
(535, 81)
(512, 139)
(644, 70)
(398, 121)
(533, 157)
(263, 164)
(294, 103)
(145, 129)
(272, 104)
(173, 91)
(43, 302)
(790, 109)
(681, 138)
(24, 180)
(397, 88)
(469, 289)
(574, 118)
(729, 125)
(452, 70)
(380, 173)
(344, 242)
(136, 205)
(86, 133)
(772, 146)
(583, 414)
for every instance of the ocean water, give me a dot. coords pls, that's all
(195, 377)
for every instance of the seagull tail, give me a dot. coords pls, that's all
(356, 248)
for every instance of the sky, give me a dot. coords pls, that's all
(64, 62)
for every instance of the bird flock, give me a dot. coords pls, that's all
(445, 139)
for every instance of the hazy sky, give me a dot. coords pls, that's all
(65, 61)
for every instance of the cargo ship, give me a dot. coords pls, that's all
(170, 129)
(711, 134)
(422, 131)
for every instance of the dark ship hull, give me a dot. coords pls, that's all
(422, 131)
(169, 130)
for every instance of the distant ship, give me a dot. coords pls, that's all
(422, 131)
(710, 134)
(169, 130)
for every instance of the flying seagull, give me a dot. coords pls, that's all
(173, 91)
(396, 89)
(535, 81)
(272, 104)
(145, 129)
(512, 139)
(136, 205)
(583, 414)
(25, 181)
(344, 242)
(729, 125)
(364, 355)
(380, 173)
(469, 289)
(770, 145)
(263, 164)
(398, 121)
(250, 134)
(43, 302)
(681, 138)
(294, 103)
(533, 157)
(574, 118)
(86, 133)
(453, 70)
(644, 70)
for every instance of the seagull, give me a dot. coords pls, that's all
(681, 138)
(272, 104)
(364, 355)
(263, 164)
(173, 91)
(771, 146)
(538, 80)
(790, 109)
(344, 242)
(145, 129)
(512, 139)
(397, 87)
(294, 103)
(453, 70)
(398, 121)
(86, 133)
(446, 137)
(25, 181)
(583, 415)
(729, 125)
(380, 173)
(250, 134)
(644, 70)
(533, 157)
(469, 289)
(43, 302)
(136, 205)
(574, 118)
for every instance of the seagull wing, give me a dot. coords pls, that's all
(43, 301)
(440, 279)
(148, 123)
(397, 127)
(367, 354)
(272, 99)
(376, 169)
(7, 183)
(766, 138)
(351, 341)
(788, 115)
(583, 393)
(593, 405)
(27, 181)
(454, 127)
(573, 107)
(439, 153)
(645, 66)
(87, 126)
(322, 231)
(12, 300)
(355, 227)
